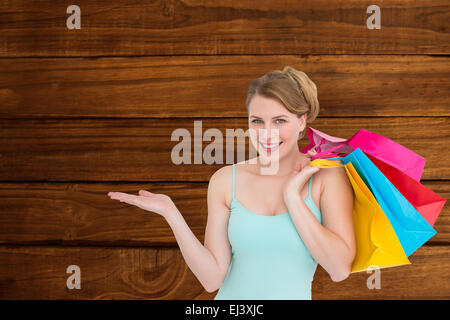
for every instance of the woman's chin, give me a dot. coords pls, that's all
(270, 157)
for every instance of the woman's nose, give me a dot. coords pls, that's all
(269, 133)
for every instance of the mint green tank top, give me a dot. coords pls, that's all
(269, 259)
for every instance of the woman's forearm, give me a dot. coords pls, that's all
(199, 259)
(327, 248)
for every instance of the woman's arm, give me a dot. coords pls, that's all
(210, 262)
(209, 265)
(199, 259)
(332, 244)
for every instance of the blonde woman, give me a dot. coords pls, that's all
(266, 233)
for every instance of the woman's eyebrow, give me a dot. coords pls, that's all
(282, 115)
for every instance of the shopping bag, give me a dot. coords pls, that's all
(371, 143)
(428, 203)
(376, 241)
(326, 145)
(411, 228)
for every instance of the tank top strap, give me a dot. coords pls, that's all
(234, 179)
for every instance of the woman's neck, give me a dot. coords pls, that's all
(286, 165)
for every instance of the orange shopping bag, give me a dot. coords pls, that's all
(376, 241)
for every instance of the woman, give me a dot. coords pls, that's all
(266, 233)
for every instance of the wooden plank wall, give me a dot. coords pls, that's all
(84, 112)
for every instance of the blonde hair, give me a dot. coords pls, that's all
(293, 88)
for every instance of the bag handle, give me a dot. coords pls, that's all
(325, 155)
(328, 152)
(326, 163)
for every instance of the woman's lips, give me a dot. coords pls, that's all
(272, 148)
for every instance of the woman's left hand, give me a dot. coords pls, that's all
(299, 177)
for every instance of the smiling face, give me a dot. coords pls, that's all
(273, 129)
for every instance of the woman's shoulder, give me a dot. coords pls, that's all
(247, 166)
(220, 184)
(222, 174)
(225, 172)
(221, 180)
(331, 175)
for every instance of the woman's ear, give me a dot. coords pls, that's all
(302, 121)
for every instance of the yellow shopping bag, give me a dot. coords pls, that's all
(376, 241)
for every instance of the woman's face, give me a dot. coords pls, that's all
(273, 129)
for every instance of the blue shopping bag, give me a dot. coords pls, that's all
(411, 228)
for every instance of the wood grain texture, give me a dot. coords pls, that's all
(83, 214)
(223, 27)
(216, 86)
(140, 149)
(84, 112)
(147, 273)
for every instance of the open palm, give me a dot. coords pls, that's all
(158, 203)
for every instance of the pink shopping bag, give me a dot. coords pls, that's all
(377, 146)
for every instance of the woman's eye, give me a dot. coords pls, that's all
(282, 121)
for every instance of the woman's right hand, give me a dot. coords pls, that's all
(158, 203)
